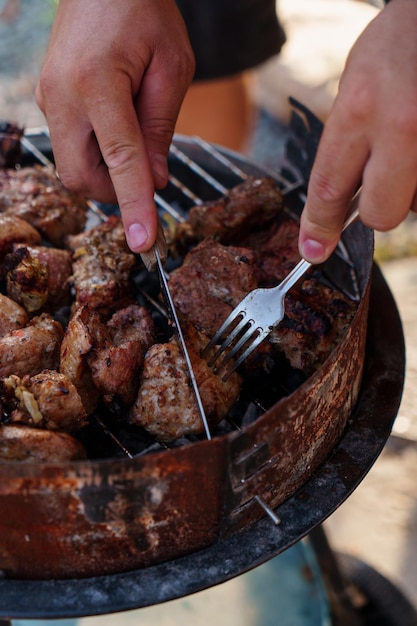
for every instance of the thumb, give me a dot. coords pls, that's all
(318, 235)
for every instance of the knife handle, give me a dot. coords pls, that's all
(149, 257)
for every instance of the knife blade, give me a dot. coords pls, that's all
(155, 261)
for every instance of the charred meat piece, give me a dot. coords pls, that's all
(14, 230)
(166, 406)
(278, 253)
(315, 319)
(47, 400)
(27, 280)
(118, 351)
(252, 205)
(75, 347)
(10, 147)
(31, 349)
(32, 445)
(102, 266)
(12, 316)
(37, 196)
(104, 359)
(38, 277)
(211, 282)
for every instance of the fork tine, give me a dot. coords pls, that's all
(255, 343)
(234, 315)
(238, 329)
(235, 349)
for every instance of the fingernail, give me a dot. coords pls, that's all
(313, 251)
(136, 236)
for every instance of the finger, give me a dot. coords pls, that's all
(389, 183)
(157, 106)
(335, 176)
(124, 152)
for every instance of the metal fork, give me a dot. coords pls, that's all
(256, 315)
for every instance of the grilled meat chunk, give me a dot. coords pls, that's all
(15, 230)
(278, 253)
(37, 196)
(33, 445)
(251, 205)
(75, 347)
(27, 280)
(38, 277)
(10, 147)
(102, 266)
(104, 359)
(31, 349)
(316, 317)
(166, 406)
(118, 351)
(12, 316)
(210, 282)
(47, 400)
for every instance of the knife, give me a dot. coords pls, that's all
(154, 261)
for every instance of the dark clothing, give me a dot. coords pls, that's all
(230, 36)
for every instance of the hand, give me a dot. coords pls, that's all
(111, 87)
(370, 135)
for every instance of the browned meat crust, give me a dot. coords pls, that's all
(31, 349)
(10, 147)
(47, 400)
(166, 406)
(12, 316)
(118, 351)
(278, 254)
(38, 277)
(32, 445)
(27, 280)
(316, 317)
(251, 205)
(75, 347)
(102, 266)
(15, 230)
(105, 359)
(37, 196)
(210, 282)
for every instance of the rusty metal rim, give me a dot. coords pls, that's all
(365, 436)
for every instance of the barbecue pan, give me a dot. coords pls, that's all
(107, 516)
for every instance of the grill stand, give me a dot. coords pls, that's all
(359, 447)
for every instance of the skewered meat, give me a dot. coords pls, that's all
(47, 400)
(102, 266)
(166, 406)
(12, 316)
(38, 277)
(31, 349)
(118, 352)
(32, 445)
(37, 196)
(14, 230)
(210, 282)
(10, 147)
(252, 205)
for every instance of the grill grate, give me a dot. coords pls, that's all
(191, 184)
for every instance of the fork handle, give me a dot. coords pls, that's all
(302, 266)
